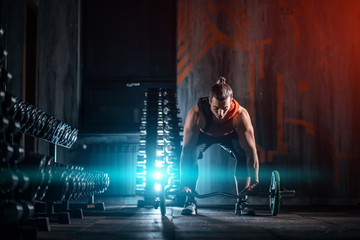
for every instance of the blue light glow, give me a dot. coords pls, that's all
(157, 187)
(159, 153)
(159, 164)
(158, 175)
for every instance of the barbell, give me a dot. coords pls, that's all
(275, 193)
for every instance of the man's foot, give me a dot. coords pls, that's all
(190, 208)
(246, 210)
(242, 207)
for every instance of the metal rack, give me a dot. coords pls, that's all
(158, 163)
(35, 189)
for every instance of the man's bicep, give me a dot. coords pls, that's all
(246, 131)
(190, 139)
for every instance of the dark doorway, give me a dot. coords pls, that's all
(128, 46)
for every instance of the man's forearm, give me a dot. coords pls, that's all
(253, 166)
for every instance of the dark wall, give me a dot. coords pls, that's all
(133, 39)
(12, 21)
(292, 64)
(42, 38)
(128, 46)
(59, 78)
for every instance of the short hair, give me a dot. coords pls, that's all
(221, 90)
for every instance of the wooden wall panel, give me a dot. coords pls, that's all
(59, 82)
(292, 64)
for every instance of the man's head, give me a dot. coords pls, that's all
(220, 98)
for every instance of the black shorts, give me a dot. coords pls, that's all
(229, 143)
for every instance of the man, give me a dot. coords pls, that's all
(219, 119)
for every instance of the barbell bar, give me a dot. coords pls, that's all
(275, 193)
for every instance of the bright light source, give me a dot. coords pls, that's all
(159, 153)
(157, 187)
(159, 164)
(170, 180)
(169, 160)
(158, 175)
(141, 185)
(170, 170)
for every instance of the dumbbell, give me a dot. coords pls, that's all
(82, 185)
(47, 178)
(79, 183)
(6, 152)
(9, 104)
(3, 54)
(73, 183)
(90, 184)
(14, 211)
(3, 76)
(50, 127)
(19, 154)
(29, 127)
(11, 211)
(23, 183)
(58, 186)
(13, 180)
(33, 165)
(12, 133)
(8, 180)
(28, 210)
(4, 123)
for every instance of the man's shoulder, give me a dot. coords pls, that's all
(195, 111)
(196, 116)
(241, 110)
(241, 115)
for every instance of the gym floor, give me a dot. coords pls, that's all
(123, 220)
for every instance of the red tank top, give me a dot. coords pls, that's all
(218, 130)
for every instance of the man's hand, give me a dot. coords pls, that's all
(253, 184)
(252, 190)
(187, 190)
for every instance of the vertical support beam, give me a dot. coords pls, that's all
(53, 151)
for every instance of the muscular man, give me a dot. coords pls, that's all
(219, 119)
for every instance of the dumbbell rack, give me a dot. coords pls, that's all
(32, 185)
(158, 172)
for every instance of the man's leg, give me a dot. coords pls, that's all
(189, 174)
(232, 145)
(241, 175)
(242, 181)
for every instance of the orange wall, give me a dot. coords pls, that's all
(294, 65)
